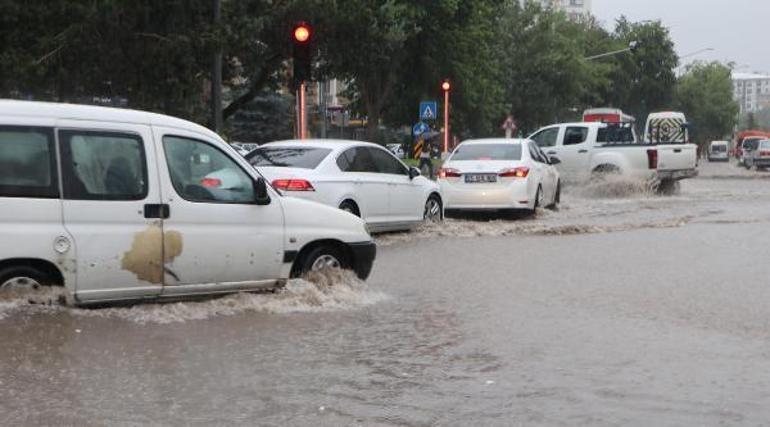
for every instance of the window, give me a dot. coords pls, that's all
(507, 151)
(575, 135)
(546, 137)
(27, 163)
(292, 157)
(103, 165)
(386, 163)
(617, 134)
(357, 159)
(202, 173)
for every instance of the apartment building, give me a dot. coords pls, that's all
(752, 91)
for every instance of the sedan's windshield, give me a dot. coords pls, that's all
(291, 157)
(488, 152)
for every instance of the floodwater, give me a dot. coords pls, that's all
(621, 308)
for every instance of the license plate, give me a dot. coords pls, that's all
(480, 178)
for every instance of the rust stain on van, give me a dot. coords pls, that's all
(150, 250)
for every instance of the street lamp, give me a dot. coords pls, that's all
(446, 87)
(632, 46)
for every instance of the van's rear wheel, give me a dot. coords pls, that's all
(23, 278)
(320, 258)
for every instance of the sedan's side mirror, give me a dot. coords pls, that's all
(414, 172)
(554, 160)
(261, 196)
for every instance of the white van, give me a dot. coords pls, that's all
(116, 205)
(667, 127)
(718, 151)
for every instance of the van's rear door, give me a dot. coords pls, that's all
(677, 157)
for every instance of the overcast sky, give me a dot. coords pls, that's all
(738, 30)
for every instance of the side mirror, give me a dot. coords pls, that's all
(261, 196)
(554, 160)
(414, 172)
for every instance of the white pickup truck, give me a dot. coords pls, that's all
(588, 149)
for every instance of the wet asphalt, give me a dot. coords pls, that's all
(621, 308)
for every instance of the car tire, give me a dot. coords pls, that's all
(24, 277)
(538, 200)
(319, 258)
(350, 207)
(434, 209)
(556, 198)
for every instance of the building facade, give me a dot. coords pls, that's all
(752, 91)
(576, 9)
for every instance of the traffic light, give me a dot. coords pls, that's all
(302, 37)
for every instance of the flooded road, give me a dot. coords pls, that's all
(622, 308)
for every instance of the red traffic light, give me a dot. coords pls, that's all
(446, 86)
(302, 33)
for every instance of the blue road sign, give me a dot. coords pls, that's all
(420, 128)
(428, 110)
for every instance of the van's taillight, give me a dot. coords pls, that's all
(652, 159)
(293, 185)
(764, 153)
(448, 173)
(520, 172)
(211, 182)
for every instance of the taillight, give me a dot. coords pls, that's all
(211, 182)
(764, 153)
(293, 185)
(448, 173)
(520, 172)
(652, 159)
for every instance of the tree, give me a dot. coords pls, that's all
(544, 75)
(644, 81)
(705, 94)
(364, 44)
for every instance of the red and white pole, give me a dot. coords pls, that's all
(446, 87)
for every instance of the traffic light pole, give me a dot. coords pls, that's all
(302, 112)
(446, 121)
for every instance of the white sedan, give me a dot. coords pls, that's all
(364, 179)
(499, 174)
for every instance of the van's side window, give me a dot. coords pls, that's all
(27, 162)
(103, 165)
(202, 173)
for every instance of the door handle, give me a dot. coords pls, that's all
(157, 211)
(582, 151)
(677, 150)
(551, 152)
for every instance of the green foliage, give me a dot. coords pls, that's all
(705, 94)
(644, 81)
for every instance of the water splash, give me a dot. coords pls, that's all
(331, 290)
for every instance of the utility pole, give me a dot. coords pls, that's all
(446, 86)
(216, 76)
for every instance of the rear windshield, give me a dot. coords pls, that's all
(718, 148)
(488, 152)
(288, 157)
(615, 134)
(750, 144)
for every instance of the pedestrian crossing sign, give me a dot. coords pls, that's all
(428, 110)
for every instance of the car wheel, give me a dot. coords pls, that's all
(350, 207)
(538, 200)
(556, 197)
(320, 258)
(23, 278)
(433, 209)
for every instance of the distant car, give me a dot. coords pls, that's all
(718, 151)
(499, 175)
(397, 150)
(748, 147)
(760, 157)
(362, 178)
